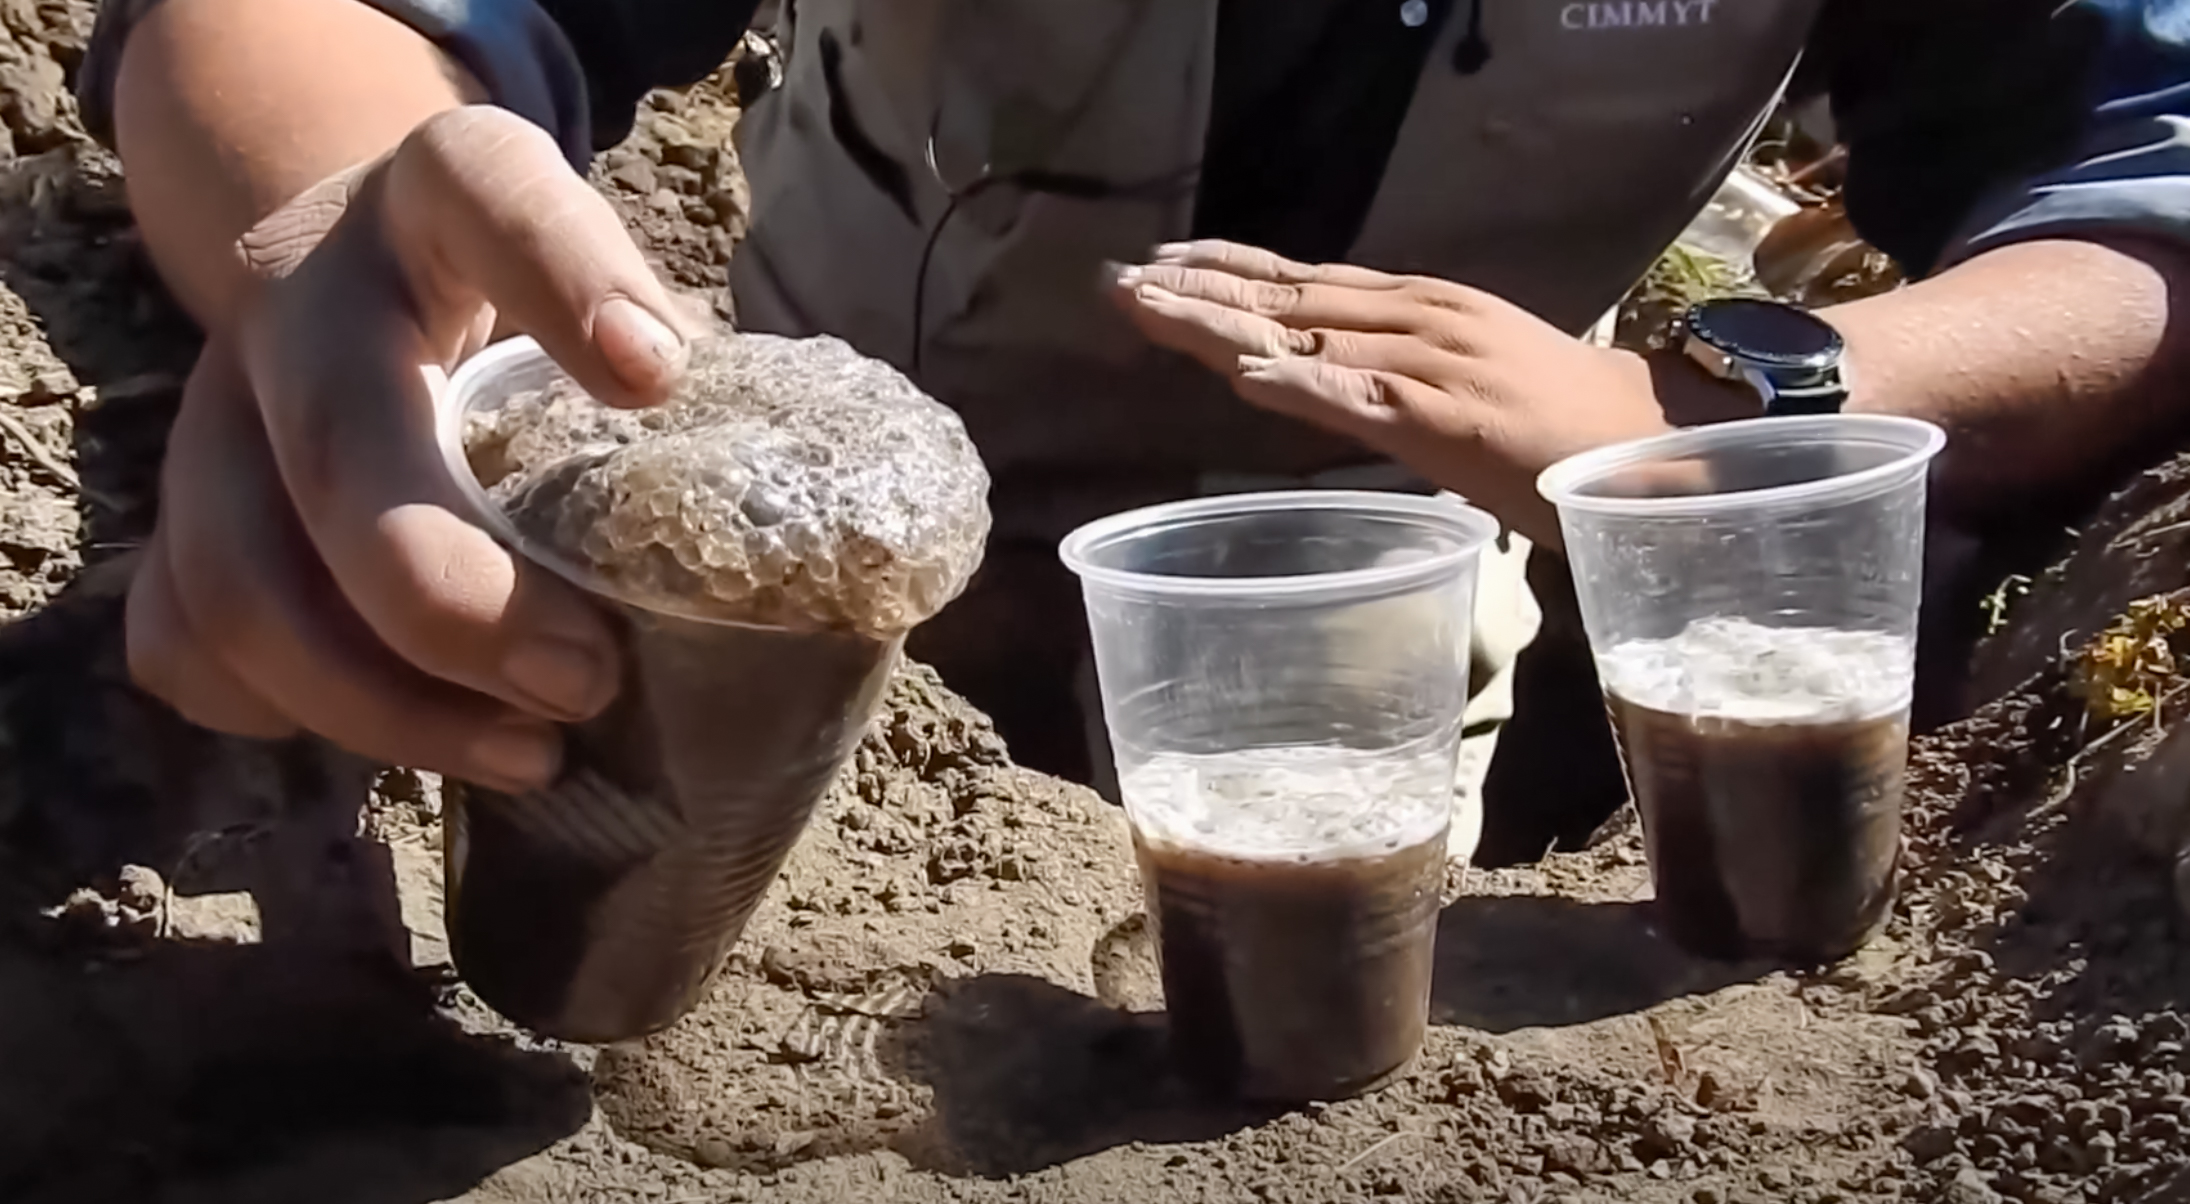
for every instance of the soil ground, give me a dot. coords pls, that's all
(216, 985)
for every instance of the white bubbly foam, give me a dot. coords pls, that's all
(1734, 669)
(792, 482)
(1292, 804)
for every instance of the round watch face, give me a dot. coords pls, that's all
(1766, 333)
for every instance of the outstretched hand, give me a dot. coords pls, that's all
(1474, 393)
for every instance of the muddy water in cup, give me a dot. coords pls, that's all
(761, 545)
(1295, 895)
(1768, 765)
(674, 811)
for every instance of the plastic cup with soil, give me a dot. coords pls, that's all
(762, 543)
(1750, 592)
(1283, 677)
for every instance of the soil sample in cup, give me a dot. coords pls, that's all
(1294, 893)
(1768, 765)
(762, 542)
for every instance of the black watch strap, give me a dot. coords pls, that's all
(1817, 397)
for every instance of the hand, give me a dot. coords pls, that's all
(311, 568)
(1475, 394)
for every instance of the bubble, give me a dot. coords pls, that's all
(1302, 802)
(791, 482)
(764, 508)
(1734, 669)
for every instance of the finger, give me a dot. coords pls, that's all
(1428, 361)
(1216, 335)
(350, 415)
(1378, 407)
(480, 205)
(250, 587)
(167, 661)
(1295, 304)
(1254, 263)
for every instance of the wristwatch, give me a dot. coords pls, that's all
(1789, 357)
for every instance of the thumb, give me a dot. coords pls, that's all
(481, 207)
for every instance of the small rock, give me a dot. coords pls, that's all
(1525, 1091)
(687, 153)
(2082, 1114)
(1574, 1154)
(635, 174)
(1667, 1134)
(2110, 1041)
(1718, 1095)
(1908, 1002)
(1920, 1085)
(141, 889)
(231, 917)
(1974, 1051)
(1930, 1143)
(1969, 1187)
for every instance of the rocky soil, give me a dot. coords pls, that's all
(217, 985)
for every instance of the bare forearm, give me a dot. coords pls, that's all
(2046, 362)
(227, 109)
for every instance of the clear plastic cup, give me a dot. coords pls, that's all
(1283, 678)
(597, 909)
(1750, 591)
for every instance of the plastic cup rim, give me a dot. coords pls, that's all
(1472, 528)
(1561, 483)
(451, 404)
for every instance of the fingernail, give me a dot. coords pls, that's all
(1124, 275)
(1249, 365)
(524, 755)
(1172, 252)
(561, 676)
(640, 347)
(1155, 295)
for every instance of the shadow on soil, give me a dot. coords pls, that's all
(1028, 1074)
(1531, 961)
(313, 1065)
(254, 1073)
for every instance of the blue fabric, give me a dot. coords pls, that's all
(2144, 70)
(519, 55)
(2129, 169)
